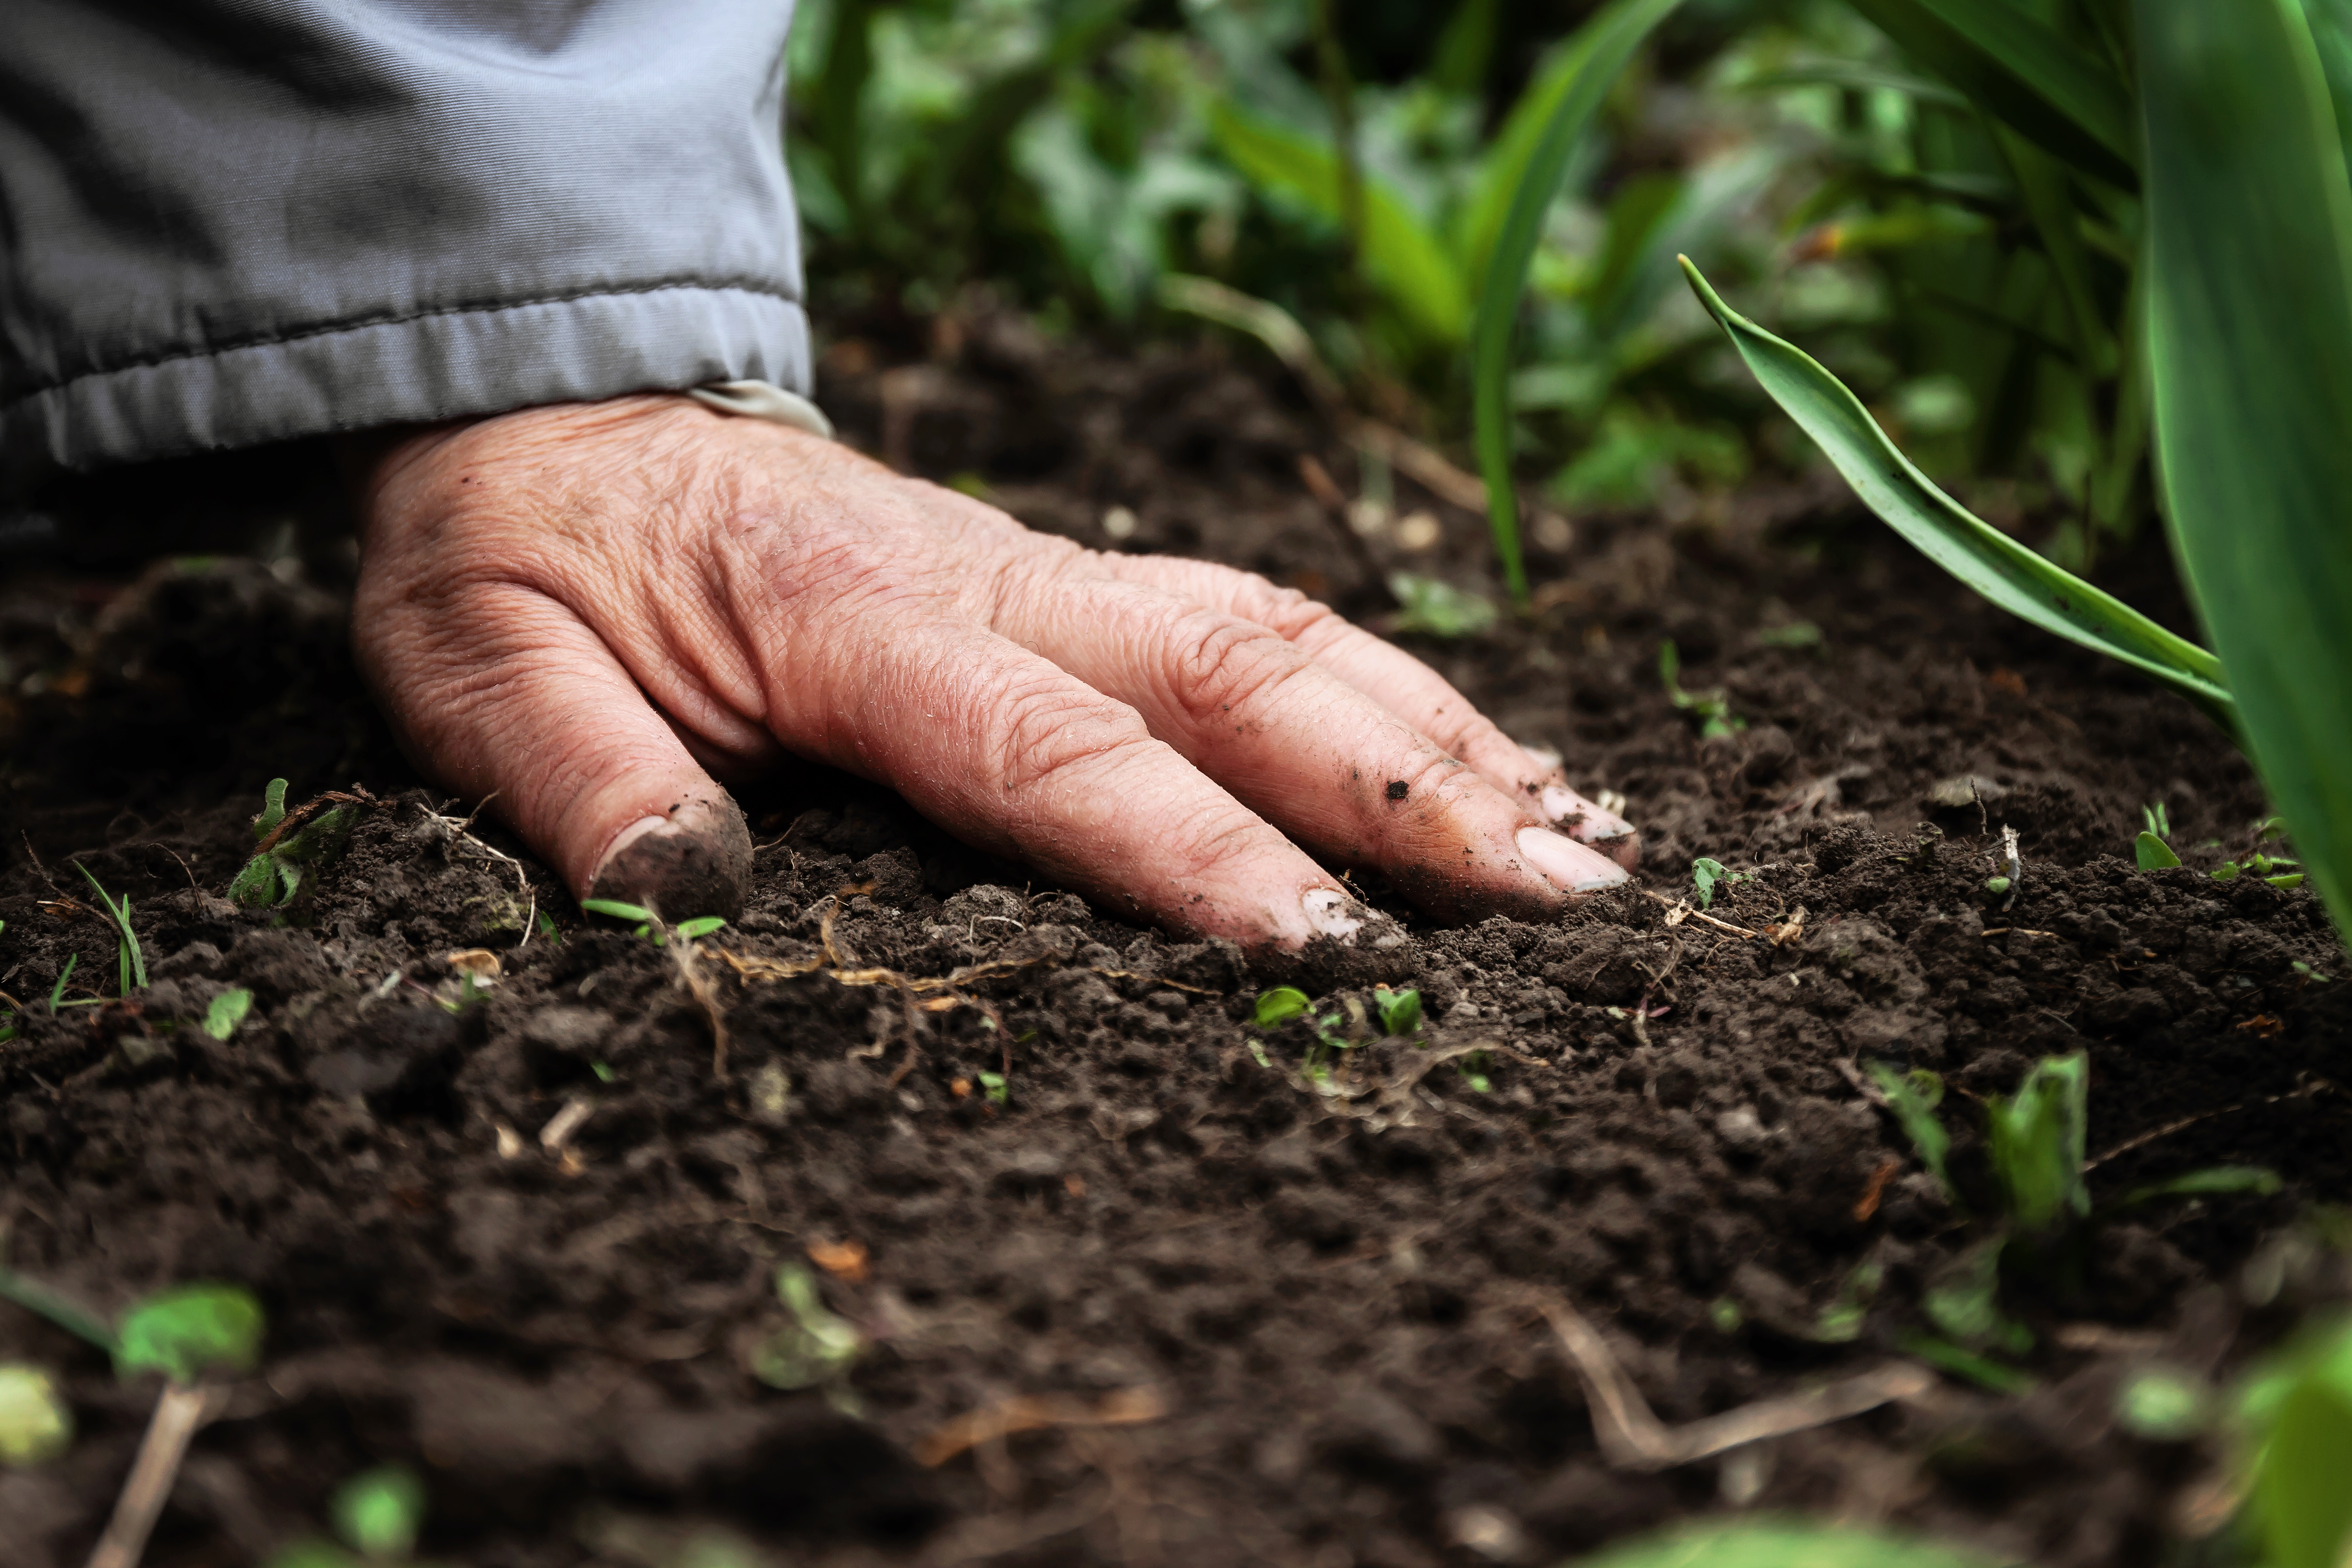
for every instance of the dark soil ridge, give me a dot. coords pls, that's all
(1326, 1292)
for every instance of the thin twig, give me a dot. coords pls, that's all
(1632, 1437)
(1029, 1412)
(180, 1412)
(2311, 1089)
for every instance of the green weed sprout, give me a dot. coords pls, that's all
(1279, 1004)
(1712, 710)
(36, 1422)
(130, 957)
(815, 1347)
(183, 1331)
(378, 1514)
(288, 845)
(997, 1089)
(1707, 875)
(1400, 1011)
(648, 924)
(227, 1011)
(1437, 608)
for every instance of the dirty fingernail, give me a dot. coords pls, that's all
(1326, 912)
(696, 860)
(1560, 802)
(1567, 864)
(1543, 756)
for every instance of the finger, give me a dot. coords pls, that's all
(500, 691)
(1296, 743)
(1018, 757)
(1400, 683)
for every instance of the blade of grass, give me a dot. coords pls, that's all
(1979, 556)
(2019, 70)
(1400, 257)
(1595, 55)
(2250, 345)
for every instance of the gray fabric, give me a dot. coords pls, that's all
(227, 222)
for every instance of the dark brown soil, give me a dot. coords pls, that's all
(1194, 1308)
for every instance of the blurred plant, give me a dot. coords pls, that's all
(377, 1516)
(813, 1347)
(649, 924)
(36, 1422)
(130, 959)
(288, 843)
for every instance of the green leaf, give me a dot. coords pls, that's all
(227, 1011)
(2305, 1422)
(1982, 557)
(701, 925)
(816, 1346)
(2153, 854)
(1775, 1544)
(1946, 1356)
(1587, 65)
(38, 1298)
(188, 1331)
(36, 1422)
(2212, 1181)
(1400, 257)
(379, 1512)
(2018, 69)
(2036, 1139)
(2164, 1405)
(1280, 1004)
(1913, 1097)
(2250, 348)
(257, 885)
(1705, 875)
(273, 809)
(1400, 1010)
(613, 909)
(1437, 608)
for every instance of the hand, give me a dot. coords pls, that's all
(591, 610)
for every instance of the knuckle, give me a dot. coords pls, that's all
(1219, 663)
(1286, 612)
(1050, 734)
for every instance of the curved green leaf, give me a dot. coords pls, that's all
(1401, 256)
(2250, 353)
(1776, 1543)
(1591, 62)
(1979, 556)
(188, 1331)
(2017, 69)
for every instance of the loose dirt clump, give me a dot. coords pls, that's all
(1129, 1283)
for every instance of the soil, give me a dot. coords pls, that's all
(1132, 1287)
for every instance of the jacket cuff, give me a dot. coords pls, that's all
(431, 367)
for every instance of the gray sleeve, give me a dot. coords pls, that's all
(230, 222)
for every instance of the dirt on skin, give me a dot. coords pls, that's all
(1132, 1286)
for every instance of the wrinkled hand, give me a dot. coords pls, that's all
(592, 609)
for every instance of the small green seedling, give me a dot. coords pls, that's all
(815, 1347)
(2164, 1405)
(130, 957)
(1913, 1097)
(183, 1331)
(1795, 634)
(272, 877)
(2155, 819)
(2152, 853)
(1279, 1004)
(1400, 1011)
(227, 1011)
(58, 991)
(380, 1511)
(1708, 874)
(995, 1085)
(1437, 608)
(2308, 973)
(2297, 1413)
(547, 929)
(1997, 885)
(2036, 1140)
(36, 1422)
(648, 924)
(1711, 709)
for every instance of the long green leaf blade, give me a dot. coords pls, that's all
(2017, 69)
(2250, 348)
(1595, 57)
(1979, 556)
(1401, 256)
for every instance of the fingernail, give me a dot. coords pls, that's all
(1326, 912)
(1545, 757)
(1567, 864)
(1560, 802)
(696, 860)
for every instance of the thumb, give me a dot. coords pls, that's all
(500, 691)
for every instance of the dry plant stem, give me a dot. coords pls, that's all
(2311, 1089)
(1632, 1437)
(522, 877)
(180, 1413)
(1028, 1413)
(706, 996)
